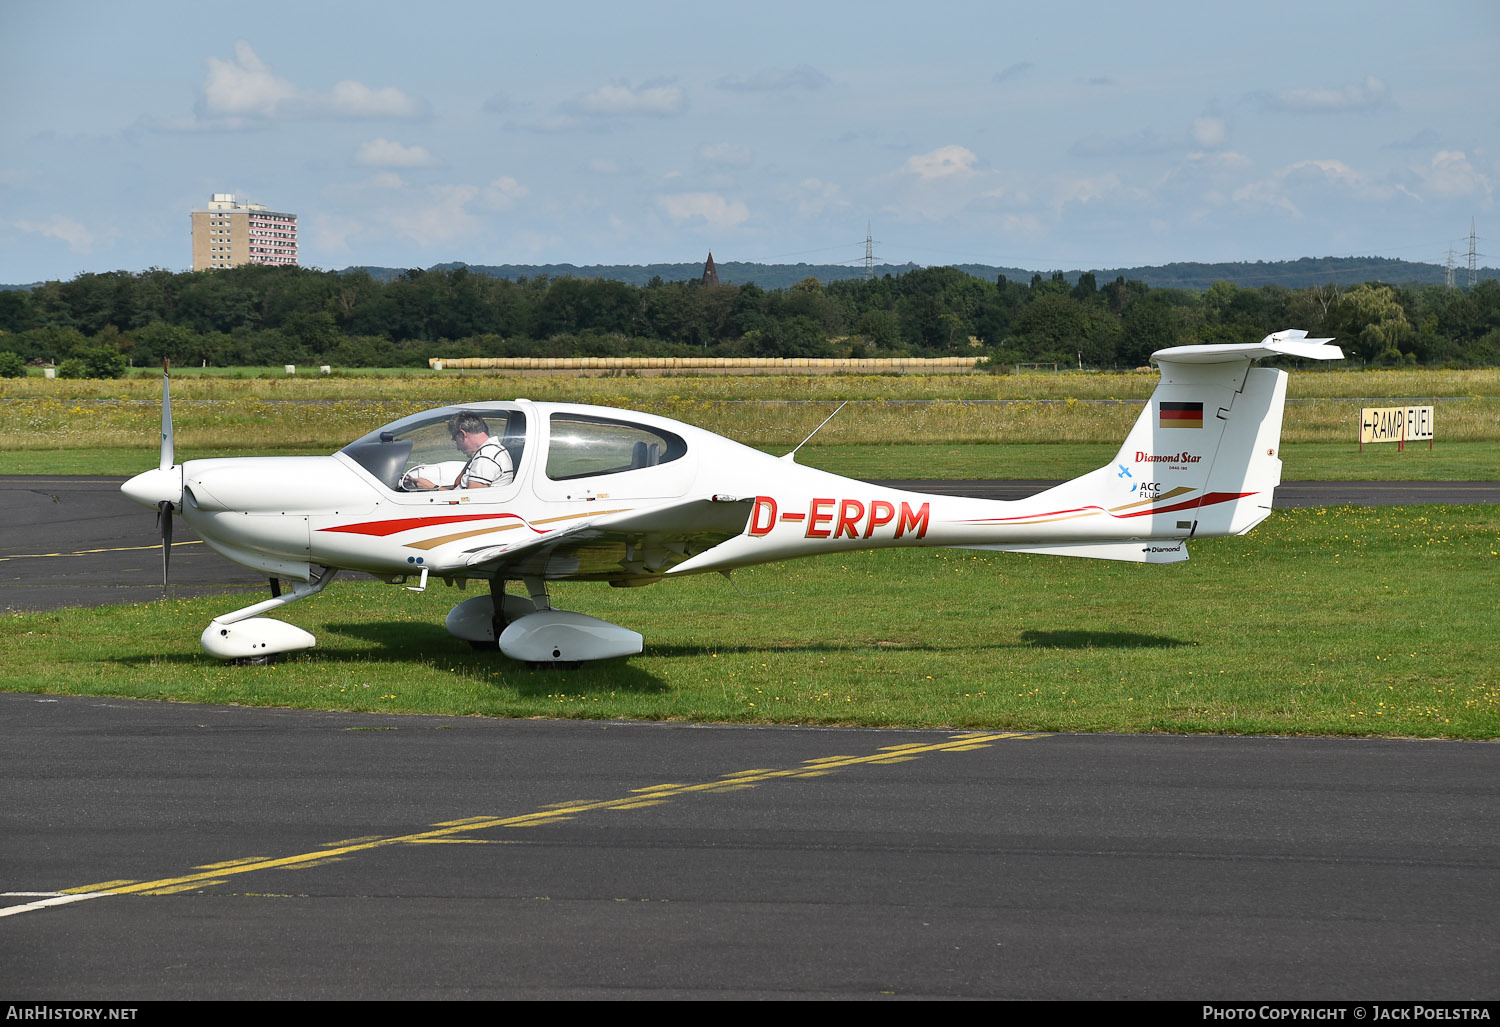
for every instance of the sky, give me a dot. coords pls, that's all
(1042, 136)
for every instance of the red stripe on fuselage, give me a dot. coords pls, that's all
(1209, 499)
(384, 528)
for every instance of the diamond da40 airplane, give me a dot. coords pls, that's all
(591, 493)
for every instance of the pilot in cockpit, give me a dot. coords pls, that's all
(488, 463)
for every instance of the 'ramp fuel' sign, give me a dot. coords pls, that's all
(1395, 424)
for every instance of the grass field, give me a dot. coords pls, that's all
(1331, 622)
(1337, 621)
(958, 426)
(1312, 461)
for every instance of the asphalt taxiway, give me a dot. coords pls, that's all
(169, 851)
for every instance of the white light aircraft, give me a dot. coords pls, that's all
(599, 494)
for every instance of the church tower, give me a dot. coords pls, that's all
(710, 273)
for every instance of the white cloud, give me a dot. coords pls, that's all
(1279, 189)
(351, 99)
(1210, 132)
(604, 166)
(244, 85)
(503, 192)
(1067, 190)
(386, 153)
(710, 208)
(1353, 97)
(439, 215)
(1225, 160)
(1203, 178)
(729, 155)
(1027, 226)
(331, 232)
(1451, 175)
(617, 99)
(79, 239)
(814, 196)
(944, 162)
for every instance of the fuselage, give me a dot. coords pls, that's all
(286, 516)
(598, 494)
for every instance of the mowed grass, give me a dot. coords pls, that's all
(1302, 461)
(1337, 621)
(948, 426)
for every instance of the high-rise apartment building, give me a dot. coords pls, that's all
(227, 234)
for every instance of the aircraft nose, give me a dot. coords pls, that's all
(156, 486)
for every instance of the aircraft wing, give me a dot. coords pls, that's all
(635, 546)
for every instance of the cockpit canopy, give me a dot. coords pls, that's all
(578, 444)
(584, 445)
(425, 439)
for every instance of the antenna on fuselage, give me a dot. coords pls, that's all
(815, 431)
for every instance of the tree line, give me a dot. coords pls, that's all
(256, 316)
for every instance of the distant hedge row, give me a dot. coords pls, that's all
(254, 315)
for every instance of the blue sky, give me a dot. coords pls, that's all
(1043, 136)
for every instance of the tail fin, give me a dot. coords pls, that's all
(1205, 448)
(1202, 457)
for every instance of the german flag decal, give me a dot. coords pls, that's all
(1181, 415)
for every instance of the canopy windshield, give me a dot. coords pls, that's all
(424, 440)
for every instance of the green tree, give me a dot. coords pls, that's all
(93, 362)
(880, 328)
(1148, 325)
(793, 337)
(17, 313)
(314, 331)
(1373, 322)
(1052, 323)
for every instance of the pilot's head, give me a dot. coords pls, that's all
(468, 431)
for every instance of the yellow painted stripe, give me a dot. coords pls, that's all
(101, 886)
(228, 863)
(554, 814)
(181, 888)
(92, 552)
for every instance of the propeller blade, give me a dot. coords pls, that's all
(164, 514)
(167, 453)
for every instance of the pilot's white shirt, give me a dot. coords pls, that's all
(490, 465)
